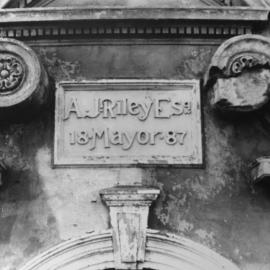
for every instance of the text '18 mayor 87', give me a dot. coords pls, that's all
(128, 122)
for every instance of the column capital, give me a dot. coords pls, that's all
(239, 74)
(129, 196)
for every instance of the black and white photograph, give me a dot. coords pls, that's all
(134, 134)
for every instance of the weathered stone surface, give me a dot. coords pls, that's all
(43, 3)
(141, 11)
(3, 168)
(129, 208)
(238, 75)
(163, 251)
(113, 21)
(246, 92)
(216, 206)
(123, 3)
(244, 50)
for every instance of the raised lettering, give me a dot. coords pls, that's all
(158, 108)
(73, 107)
(153, 137)
(143, 137)
(178, 108)
(187, 108)
(133, 108)
(95, 112)
(145, 110)
(82, 137)
(116, 138)
(182, 136)
(170, 138)
(96, 134)
(72, 139)
(108, 107)
(129, 139)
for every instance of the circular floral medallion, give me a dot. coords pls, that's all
(11, 73)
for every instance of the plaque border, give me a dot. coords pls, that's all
(61, 87)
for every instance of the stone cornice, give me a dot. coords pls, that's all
(31, 15)
(119, 22)
(44, 3)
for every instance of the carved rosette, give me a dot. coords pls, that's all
(23, 80)
(11, 73)
(239, 74)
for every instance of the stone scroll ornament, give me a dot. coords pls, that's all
(23, 80)
(238, 77)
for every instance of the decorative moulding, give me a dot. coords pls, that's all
(123, 22)
(139, 12)
(127, 30)
(23, 81)
(129, 208)
(43, 3)
(163, 252)
(239, 74)
(238, 53)
(129, 245)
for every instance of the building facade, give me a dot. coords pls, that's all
(134, 134)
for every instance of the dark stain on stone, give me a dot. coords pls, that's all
(33, 246)
(6, 225)
(51, 220)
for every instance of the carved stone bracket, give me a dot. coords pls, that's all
(129, 208)
(23, 80)
(260, 169)
(239, 74)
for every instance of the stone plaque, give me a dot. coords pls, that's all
(128, 122)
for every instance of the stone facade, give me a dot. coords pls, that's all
(220, 207)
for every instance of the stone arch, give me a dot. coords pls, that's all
(163, 252)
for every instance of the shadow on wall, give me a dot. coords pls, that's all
(26, 220)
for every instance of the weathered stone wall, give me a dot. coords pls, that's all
(217, 206)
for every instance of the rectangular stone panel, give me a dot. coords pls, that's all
(128, 122)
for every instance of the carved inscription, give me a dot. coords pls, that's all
(128, 122)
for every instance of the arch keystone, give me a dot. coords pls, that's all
(129, 208)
